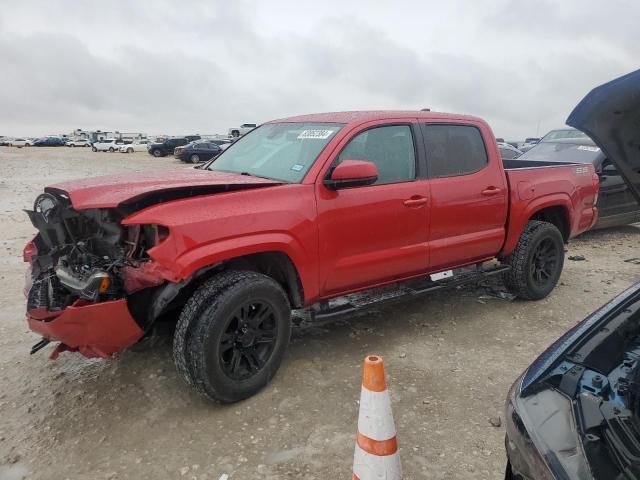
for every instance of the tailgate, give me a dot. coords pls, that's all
(570, 190)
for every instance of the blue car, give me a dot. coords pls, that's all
(49, 142)
(198, 151)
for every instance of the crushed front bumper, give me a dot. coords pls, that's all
(93, 329)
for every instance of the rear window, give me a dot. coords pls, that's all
(454, 150)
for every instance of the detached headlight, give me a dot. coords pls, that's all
(542, 439)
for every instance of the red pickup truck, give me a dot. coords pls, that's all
(295, 214)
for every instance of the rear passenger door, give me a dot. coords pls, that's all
(469, 195)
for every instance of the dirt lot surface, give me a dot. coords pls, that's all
(450, 359)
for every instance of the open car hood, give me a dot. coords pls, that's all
(115, 190)
(610, 115)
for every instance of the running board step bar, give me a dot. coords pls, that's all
(355, 302)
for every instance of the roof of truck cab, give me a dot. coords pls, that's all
(367, 116)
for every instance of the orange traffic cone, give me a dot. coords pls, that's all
(376, 456)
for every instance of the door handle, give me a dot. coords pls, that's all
(489, 191)
(414, 202)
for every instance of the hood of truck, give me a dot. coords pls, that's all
(115, 190)
(610, 115)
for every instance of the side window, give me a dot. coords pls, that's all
(454, 150)
(390, 148)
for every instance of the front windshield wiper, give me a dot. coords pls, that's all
(247, 174)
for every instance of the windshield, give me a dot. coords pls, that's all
(558, 134)
(563, 152)
(280, 151)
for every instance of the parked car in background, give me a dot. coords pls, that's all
(198, 151)
(222, 143)
(49, 142)
(508, 151)
(29, 142)
(18, 142)
(283, 220)
(575, 412)
(167, 147)
(107, 145)
(78, 143)
(241, 130)
(528, 144)
(617, 205)
(139, 146)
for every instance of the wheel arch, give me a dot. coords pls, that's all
(275, 264)
(557, 215)
(555, 209)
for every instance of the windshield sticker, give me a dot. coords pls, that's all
(297, 167)
(589, 148)
(317, 134)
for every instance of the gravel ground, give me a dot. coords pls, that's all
(450, 360)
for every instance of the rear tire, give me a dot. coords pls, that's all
(156, 153)
(94, 149)
(232, 335)
(194, 158)
(129, 150)
(235, 134)
(536, 262)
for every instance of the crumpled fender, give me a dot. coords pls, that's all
(145, 275)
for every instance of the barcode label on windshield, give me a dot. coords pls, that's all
(318, 134)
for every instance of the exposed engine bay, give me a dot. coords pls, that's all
(85, 255)
(602, 376)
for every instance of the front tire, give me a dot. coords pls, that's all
(94, 149)
(232, 335)
(157, 153)
(536, 262)
(235, 134)
(129, 150)
(111, 149)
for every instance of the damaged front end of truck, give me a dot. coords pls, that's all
(91, 284)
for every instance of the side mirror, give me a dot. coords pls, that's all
(352, 173)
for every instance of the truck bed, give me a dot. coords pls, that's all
(535, 185)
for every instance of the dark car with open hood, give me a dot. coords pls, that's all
(575, 412)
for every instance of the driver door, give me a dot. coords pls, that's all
(377, 233)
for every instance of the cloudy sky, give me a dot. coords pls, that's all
(203, 66)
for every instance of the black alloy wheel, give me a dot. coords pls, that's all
(248, 340)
